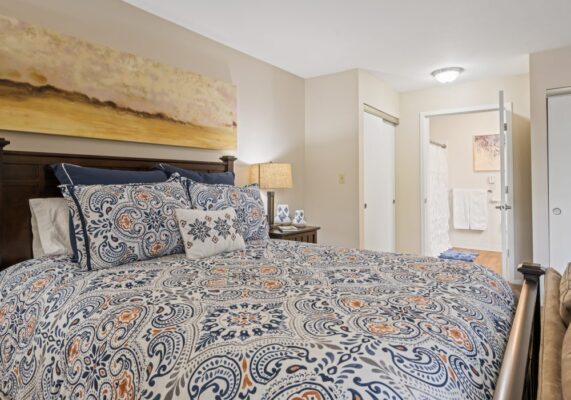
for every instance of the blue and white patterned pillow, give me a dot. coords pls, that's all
(118, 224)
(247, 201)
(207, 233)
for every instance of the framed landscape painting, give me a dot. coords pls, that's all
(60, 85)
(487, 153)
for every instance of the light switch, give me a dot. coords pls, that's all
(341, 179)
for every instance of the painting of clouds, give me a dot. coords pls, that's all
(487, 153)
(60, 85)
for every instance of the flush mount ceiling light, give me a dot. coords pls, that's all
(447, 75)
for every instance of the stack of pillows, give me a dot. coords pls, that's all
(116, 217)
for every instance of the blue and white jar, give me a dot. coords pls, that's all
(282, 215)
(299, 218)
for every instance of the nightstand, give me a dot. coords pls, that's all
(307, 234)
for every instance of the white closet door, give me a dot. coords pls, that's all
(559, 150)
(379, 184)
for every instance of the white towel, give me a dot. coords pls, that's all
(461, 208)
(478, 210)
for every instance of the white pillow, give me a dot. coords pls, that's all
(50, 227)
(207, 233)
(37, 250)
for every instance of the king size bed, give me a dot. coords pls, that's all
(274, 320)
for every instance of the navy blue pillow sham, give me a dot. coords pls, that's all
(211, 178)
(69, 174)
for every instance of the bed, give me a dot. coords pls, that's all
(278, 320)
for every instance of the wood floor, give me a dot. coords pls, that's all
(489, 259)
(493, 261)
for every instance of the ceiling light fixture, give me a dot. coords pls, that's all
(447, 75)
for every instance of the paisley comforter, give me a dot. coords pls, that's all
(280, 320)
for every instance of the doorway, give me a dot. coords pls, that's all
(378, 183)
(466, 186)
(463, 192)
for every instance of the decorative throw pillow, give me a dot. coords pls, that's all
(70, 174)
(207, 233)
(118, 224)
(246, 200)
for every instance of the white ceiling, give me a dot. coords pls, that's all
(400, 40)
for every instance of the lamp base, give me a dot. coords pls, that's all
(271, 198)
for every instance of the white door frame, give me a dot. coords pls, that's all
(425, 142)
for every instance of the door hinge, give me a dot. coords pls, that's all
(507, 189)
(505, 126)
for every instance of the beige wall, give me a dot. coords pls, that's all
(548, 70)
(460, 95)
(457, 132)
(333, 147)
(374, 92)
(270, 101)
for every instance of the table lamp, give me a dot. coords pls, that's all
(270, 176)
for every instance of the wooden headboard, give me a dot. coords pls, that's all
(26, 175)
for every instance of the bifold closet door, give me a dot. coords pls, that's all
(559, 154)
(379, 183)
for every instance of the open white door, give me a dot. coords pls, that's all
(507, 205)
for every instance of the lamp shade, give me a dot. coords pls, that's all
(272, 175)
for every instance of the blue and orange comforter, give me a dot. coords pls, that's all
(280, 320)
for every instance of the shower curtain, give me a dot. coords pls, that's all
(438, 201)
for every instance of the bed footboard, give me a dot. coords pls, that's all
(519, 373)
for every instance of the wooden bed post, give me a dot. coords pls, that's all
(3, 143)
(519, 373)
(229, 162)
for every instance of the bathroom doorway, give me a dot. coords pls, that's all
(466, 168)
